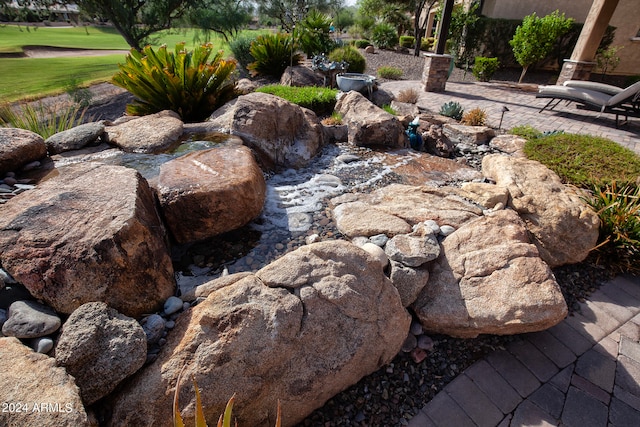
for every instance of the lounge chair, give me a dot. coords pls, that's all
(625, 103)
(598, 87)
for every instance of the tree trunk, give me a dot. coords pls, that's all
(524, 71)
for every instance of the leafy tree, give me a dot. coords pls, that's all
(535, 38)
(419, 24)
(314, 34)
(137, 20)
(224, 17)
(289, 12)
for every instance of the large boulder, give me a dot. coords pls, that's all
(92, 233)
(489, 279)
(100, 347)
(283, 134)
(153, 133)
(209, 192)
(563, 226)
(411, 204)
(40, 394)
(368, 124)
(300, 330)
(299, 75)
(19, 147)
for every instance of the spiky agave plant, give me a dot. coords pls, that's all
(191, 83)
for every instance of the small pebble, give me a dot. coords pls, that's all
(6, 277)
(170, 324)
(30, 166)
(10, 181)
(446, 230)
(418, 355)
(416, 328)
(409, 343)
(425, 342)
(312, 239)
(3, 318)
(379, 239)
(153, 327)
(172, 305)
(162, 342)
(42, 345)
(186, 305)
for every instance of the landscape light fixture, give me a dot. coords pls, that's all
(504, 110)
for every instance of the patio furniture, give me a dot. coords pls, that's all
(597, 86)
(625, 103)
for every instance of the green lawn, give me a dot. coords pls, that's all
(24, 78)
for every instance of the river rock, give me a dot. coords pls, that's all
(172, 305)
(92, 233)
(42, 345)
(281, 133)
(19, 147)
(74, 138)
(100, 347)
(209, 192)
(377, 252)
(30, 319)
(323, 315)
(564, 228)
(489, 279)
(153, 133)
(368, 124)
(32, 379)
(153, 328)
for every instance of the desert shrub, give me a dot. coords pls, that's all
(362, 43)
(273, 53)
(452, 109)
(191, 83)
(356, 61)
(407, 41)
(619, 211)
(427, 43)
(41, 119)
(335, 119)
(484, 68)
(475, 117)
(391, 73)
(315, 37)
(384, 36)
(241, 49)
(321, 100)
(409, 96)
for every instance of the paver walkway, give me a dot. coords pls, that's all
(583, 372)
(523, 110)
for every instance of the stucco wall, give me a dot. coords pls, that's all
(626, 19)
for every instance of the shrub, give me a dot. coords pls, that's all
(452, 109)
(391, 73)
(475, 117)
(384, 36)
(241, 48)
(526, 131)
(80, 95)
(273, 53)
(321, 100)
(193, 84)
(407, 41)
(315, 37)
(409, 96)
(427, 43)
(362, 43)
(484, 68)
(334, 119)
(356, 61)
(43, 120)
(619, 211)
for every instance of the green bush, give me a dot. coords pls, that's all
(241, 49)
(407, 41)
(321, 100)
(427, 43)
(526, 131)
(362, 43)
(391, 73)
(315, 37)
(384, 36)
(452, 109)
(389, 109)
(356, 61)
(484, 68)
(193, 84)
(273, 53)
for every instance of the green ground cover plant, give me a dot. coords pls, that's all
(610, 174)
(321, 100)
(391, 73)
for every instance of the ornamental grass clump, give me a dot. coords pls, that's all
(41, 119)
(475, 117)
(410, 96)
(191, 83)
(391, 73)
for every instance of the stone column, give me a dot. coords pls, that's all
(581, 63)
(436, 72)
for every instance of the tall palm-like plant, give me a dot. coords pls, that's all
(193, 84)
